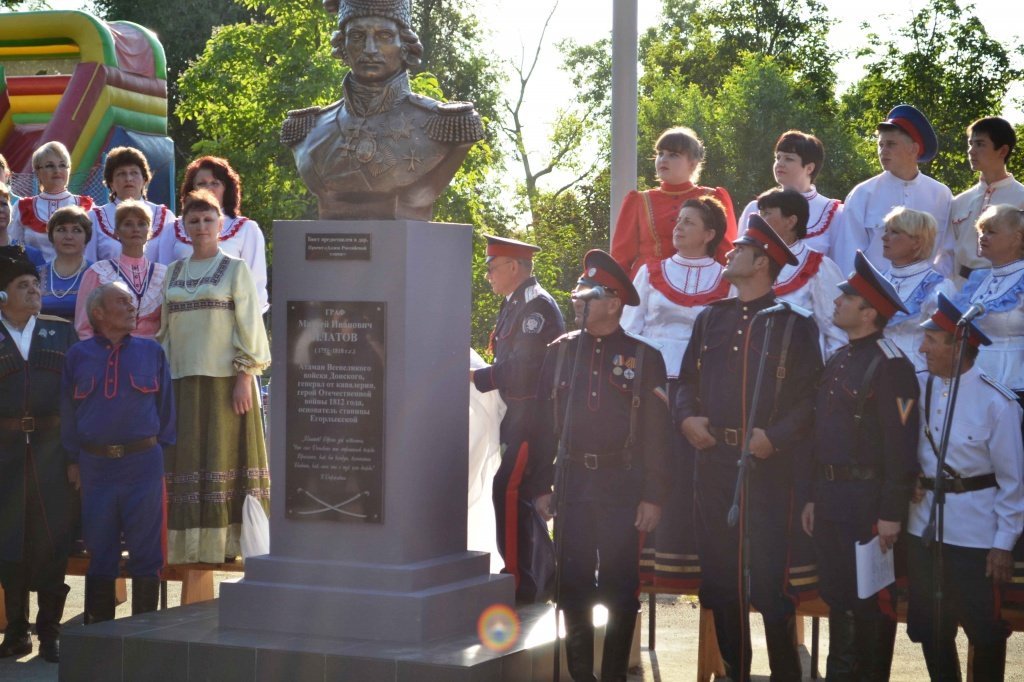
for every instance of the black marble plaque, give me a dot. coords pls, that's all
(330, 246)
(335, 400)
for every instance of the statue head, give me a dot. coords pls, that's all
(374, 38)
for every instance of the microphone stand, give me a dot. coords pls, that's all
(561, 482)
(746, 463)
(936, 517)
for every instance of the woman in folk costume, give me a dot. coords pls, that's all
(672, 292)
(52, 165)
(126, 174)
(239, 237)
(798, 159)
(143, 277)
(646, 220)
(213, 333)
(909, 243)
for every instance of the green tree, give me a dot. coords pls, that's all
(945, 63)
(183, 27)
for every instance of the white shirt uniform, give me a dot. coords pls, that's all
(918, 285)
(1001, 291)
(813, 284)
(670, 299)
(963, 219)
(822, 220)
(240, 237)
(864, 211)
(985, 438)
(40, 208)
(104, 245)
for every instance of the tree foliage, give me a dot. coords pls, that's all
(945, 63)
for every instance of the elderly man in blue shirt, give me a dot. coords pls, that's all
(117, 415)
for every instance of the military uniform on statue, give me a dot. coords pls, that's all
(612, 476)
(855, 481)
(528, 321)
(711, 404)
(38, 505)
(983, 479)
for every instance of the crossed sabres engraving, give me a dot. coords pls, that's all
(327, 506)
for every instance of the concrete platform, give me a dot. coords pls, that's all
(186, 643)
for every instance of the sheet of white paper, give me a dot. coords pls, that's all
(874, 569)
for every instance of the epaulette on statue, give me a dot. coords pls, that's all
(297, 125)
(451, 122)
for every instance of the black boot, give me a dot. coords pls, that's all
(729, 629)
(51, 611)
(99, 600)
(783, 657)
(989, 661)
(944, 664)
(579, 645)
(145, 595)
(842, 647)
(16, 638)
(876, 637)
(618, 642)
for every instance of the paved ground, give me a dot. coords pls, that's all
(674, 660)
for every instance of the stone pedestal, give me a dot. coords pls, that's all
(403, 574)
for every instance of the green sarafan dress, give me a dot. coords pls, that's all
(212, 331)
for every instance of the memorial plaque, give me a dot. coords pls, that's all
(335, 411)
(328, 246)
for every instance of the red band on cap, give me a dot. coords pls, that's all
(509, 251)
(907, 127)
(602, 277)
(944, 323)
(879, 302)
(776, 253)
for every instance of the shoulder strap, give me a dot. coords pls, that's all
(634, 408)
(780, 370)
(559, 361)
(648, 216)
(862, 397)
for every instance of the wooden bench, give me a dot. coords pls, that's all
(196, 581)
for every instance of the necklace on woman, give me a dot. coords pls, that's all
(73, 287)
(198, 281)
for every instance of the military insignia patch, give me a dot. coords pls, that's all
(533, 323)
(591, 272)
(904, 405)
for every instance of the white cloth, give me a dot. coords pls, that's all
(239, 237)
(817, 294)
(985, 438)
(486, 411)
(823, 218)
(667, 323)
(963, 219)
(104, 245)
(1004, 359)
(22, 339)
(44, 204)
(918, 285)
(865, 208)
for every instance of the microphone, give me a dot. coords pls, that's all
(972, 312)
(777, 308)
(3, 297)
(596, 292)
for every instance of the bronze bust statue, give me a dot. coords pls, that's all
(381, 151)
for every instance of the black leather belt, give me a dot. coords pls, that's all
(595, 461)
(843, 472)
(960, 484)
(118, 451)
(728, 436)
(29, 424)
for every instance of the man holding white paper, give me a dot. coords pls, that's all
(984, 504)
(858, 480)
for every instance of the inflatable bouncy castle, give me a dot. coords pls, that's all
(92, 85)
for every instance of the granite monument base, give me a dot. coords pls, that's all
(188, 643)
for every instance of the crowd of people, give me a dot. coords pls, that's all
(130, 345)
(749, 403)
